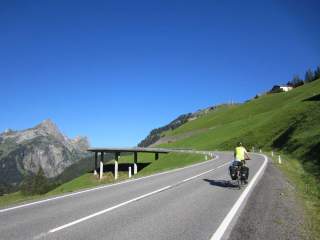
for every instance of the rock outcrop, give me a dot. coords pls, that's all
(24, 152)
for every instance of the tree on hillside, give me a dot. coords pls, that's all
(2, 189)
(317, 73)
(295, 82)
(35, 184)
(309, 77)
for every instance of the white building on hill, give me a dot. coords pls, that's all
(278, 88)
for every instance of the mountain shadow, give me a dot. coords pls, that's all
(313, 98)
(284, 137)
(312, 159)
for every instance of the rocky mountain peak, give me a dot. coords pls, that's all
(49, 125)
(24, 152)
(81, 143)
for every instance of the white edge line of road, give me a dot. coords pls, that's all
(229, 217)
(105, 186)
(129, 201)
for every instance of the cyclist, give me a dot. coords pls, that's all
(240, 155)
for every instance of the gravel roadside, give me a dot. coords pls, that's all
(272, 211)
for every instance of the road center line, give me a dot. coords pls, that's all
(127, 202)
(108, 209)
(190, 178)
(227, 220)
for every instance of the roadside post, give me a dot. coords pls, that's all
(135, 166)
(116, 166)
(272, 154)
(129, 172)
(279, 160)
(101, 165)
(95, 173)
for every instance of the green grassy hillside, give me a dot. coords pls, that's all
(288, 121)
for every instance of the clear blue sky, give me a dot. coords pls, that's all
(114, 70)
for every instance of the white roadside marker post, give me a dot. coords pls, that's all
(206, 157)
(272, 153)
(101, 170)
(129, 172)
(260, 150)
(101, 165)
(116, 166)
(95, 173)
(279, 159)
(135, 166)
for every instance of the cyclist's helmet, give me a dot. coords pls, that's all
(239, 144)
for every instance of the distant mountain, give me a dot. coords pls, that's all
(24, 152)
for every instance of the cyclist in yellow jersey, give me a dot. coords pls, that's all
(240, 153)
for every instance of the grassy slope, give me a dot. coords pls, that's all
(287, 122)
(166, 162)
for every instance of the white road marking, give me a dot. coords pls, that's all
(227, 220)
(127, 202)
(108, 209)
(190, 178)
(103, 187)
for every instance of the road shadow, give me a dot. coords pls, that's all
(221, 183)
(124, 167)
(313, 98)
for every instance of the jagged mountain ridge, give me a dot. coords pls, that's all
(24, 152)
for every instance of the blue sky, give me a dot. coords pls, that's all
(114, 70)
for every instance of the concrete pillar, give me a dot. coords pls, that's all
(156, 156)
(135, 166)
(101, 165)
(116, 166)
(95, 164)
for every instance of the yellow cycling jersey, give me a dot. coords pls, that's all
(240, 152)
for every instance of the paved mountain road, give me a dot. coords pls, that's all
(190, 203)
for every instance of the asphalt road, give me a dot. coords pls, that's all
(189, 203)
